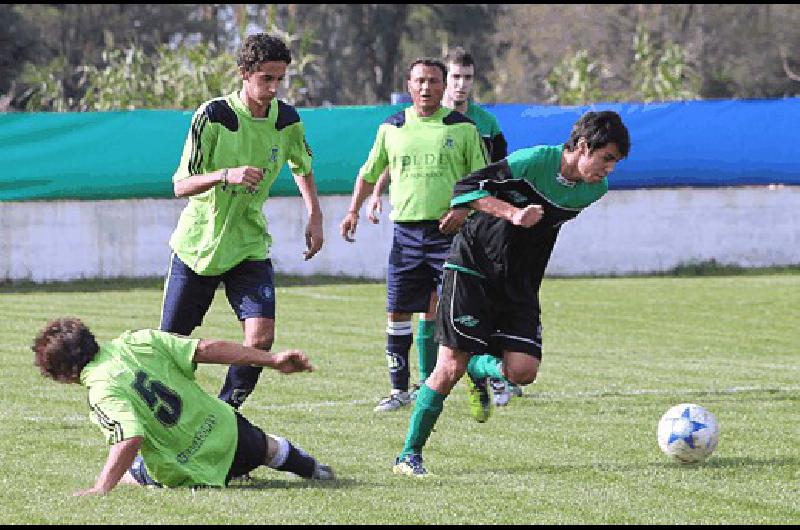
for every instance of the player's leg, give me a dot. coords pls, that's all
(254, 449)
(462, 325)
(450, 366)
(187, 297)
(436, 248)
(427, 348)
(250, 288)
(406, 293)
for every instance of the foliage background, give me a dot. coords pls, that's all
(61, 57)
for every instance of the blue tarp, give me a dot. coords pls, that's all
(690, 143)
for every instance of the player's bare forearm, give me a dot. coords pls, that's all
(313, 233)
(308, 190)
(120, 459)
(348, 225)
(197, 184)
(211, 351)
(526, 217)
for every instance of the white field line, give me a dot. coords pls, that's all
(559, 396)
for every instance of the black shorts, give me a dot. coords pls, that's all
(251, 452)
(476, 315)
(251, 448)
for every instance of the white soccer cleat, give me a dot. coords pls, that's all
(500, 393)
(393, 401)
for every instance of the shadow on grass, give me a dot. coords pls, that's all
(131, 284)
(278, 484)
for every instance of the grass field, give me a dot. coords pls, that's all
(580, 446)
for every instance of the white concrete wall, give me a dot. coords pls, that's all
(630, 231)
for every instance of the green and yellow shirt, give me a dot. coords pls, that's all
(142, 384)
(225, 225)
(426, 156)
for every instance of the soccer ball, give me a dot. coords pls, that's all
(688, 433)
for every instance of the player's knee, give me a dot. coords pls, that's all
(522, 375)
(262, 341)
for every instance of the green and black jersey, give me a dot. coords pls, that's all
(493, 247)
(225, 225)
(489, 129)
(425, 156)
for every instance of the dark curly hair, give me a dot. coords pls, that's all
(427, 61)
(260, 48)
(63, 348)
(600, 129)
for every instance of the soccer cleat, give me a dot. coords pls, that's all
(323, 472)
(516, 390)
(393, 401)
(479, 403)
(415, 390)
(501, 393)
(410, 465)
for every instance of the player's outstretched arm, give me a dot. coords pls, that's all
(120, 459)
(527, 217)
(227, 352)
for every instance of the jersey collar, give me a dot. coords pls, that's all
(241, 108)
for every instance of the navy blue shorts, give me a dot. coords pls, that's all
(419, 251)
(249, 286)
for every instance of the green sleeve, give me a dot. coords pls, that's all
(377, 160)
(198, 148)
(298, 152)
(116, 418)
(521, 162)
(178, 348)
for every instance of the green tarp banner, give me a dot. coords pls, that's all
(130, 154)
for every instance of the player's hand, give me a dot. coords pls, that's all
(90, 491)
(374, 209)
(291, 361)
(451, 221)
(313, 238)
(528, 216)
(348, 226)
(247, 176)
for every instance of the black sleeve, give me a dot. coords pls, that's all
(472, 186)
(499, 148)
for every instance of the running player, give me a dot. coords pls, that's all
(490, 291)
(143, 396)
(235, 149)
(427, 148)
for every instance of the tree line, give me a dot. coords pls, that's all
(72, 57)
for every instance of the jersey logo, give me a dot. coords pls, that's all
(467, 320)
(564, 182)
(274, 156)
(449, 143)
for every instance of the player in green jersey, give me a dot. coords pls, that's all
(143, 396)
(426, 148)
(490, 291)
(233, 153)
(459, 83)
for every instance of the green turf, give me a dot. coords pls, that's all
(580, 446)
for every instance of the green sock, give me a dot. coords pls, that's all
(482, 366)
(426, 348)
(426, 411)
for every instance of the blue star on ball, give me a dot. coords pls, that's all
(684, 428)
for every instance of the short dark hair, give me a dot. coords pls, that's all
(63, 348)
(259, 48)
(459, 56)
(600, 129)
(428, 61)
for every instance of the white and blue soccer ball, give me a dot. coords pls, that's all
(688, 433)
